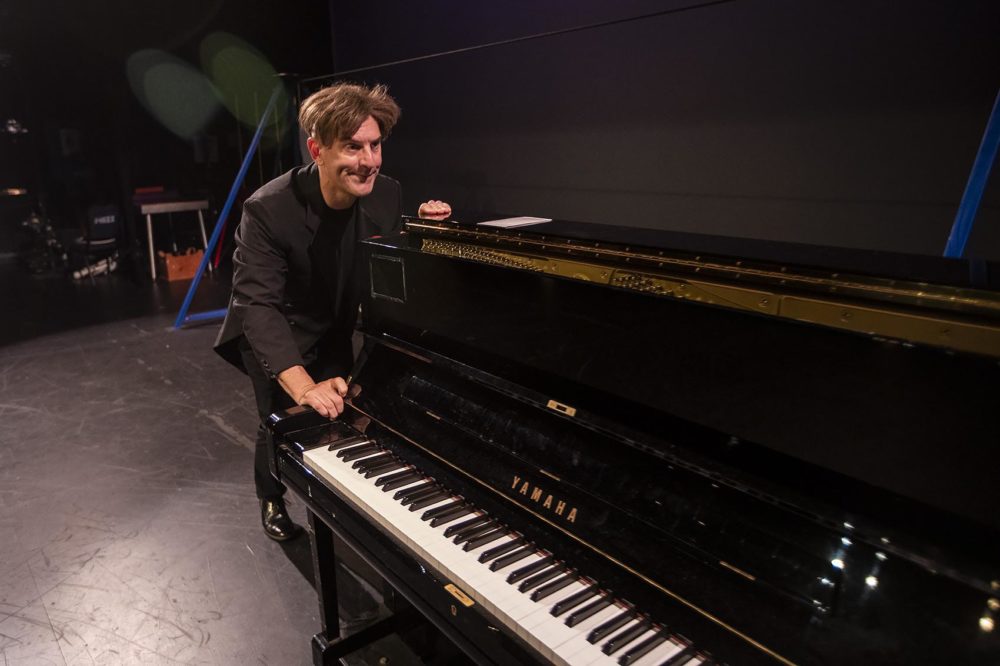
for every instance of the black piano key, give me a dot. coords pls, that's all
(484, 539)
(520, 574)
(403, 493)
(551, 588)
(681, 657)
(473, 532)
(384, 468)
(433, 491)
(452, 530)
(502, 549)
(609, 627)
(574, 600)
(367, 463)
(539, 578)
(438, 510)
(366, 447)
(585, 612)
(411, 497)
(347, 441)
(453, 514)
(403, 479)
(395, 477)
(347, 455)
(438, 496)
(625, 637)
(511, 558)
(642, 649)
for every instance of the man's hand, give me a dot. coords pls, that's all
(434, 210)
(326, 397)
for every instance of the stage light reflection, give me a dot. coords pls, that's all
(243, 76)
(174, 92)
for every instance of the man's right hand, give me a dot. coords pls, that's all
(326, 397)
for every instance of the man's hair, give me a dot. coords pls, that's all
(336, 112)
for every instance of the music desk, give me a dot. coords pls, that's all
(151, 209)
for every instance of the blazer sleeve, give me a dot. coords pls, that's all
(260, 270)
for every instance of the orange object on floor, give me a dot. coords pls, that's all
(180, 266)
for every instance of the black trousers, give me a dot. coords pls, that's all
(330, 358)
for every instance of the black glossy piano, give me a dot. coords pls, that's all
(583, 444)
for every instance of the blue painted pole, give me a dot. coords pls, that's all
(208, 315)
(973, 195)
(218, 314)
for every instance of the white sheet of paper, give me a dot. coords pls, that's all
(509, 222)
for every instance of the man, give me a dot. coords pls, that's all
(296, 281)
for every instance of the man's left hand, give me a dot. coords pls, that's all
(434, 210)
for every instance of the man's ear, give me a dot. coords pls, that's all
(313, 147)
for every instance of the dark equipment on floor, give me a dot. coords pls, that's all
(98, 246)
(40, 250)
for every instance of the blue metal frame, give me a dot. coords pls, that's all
(973, 195)
(183, 317)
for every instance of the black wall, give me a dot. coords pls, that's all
(850, 123)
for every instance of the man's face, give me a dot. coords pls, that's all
(347, 169)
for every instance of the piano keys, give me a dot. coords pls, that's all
(534, 593)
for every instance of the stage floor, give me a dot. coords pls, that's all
(129, 529)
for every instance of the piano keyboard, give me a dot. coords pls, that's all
(567, 618)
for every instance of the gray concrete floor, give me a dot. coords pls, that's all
(129, 530)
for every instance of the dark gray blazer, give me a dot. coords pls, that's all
(272, 270)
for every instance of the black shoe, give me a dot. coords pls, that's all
(276, 522)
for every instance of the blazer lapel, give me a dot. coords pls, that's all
(306, 183)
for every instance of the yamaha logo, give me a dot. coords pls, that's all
(544, 499)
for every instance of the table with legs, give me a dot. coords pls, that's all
(151, 209)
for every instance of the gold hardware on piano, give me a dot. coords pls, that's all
(561, 408)
(737, 570)
(912, 312)
(460, 595)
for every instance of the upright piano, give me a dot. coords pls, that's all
(583, 444)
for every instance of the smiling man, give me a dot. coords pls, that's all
(296, 281)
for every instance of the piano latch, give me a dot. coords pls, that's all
(561, 408)
(465, 599)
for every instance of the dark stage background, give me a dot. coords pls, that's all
(837, 123)
(848, 123)
(91, 139)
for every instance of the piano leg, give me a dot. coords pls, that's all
(325, 580)
(328, 646)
